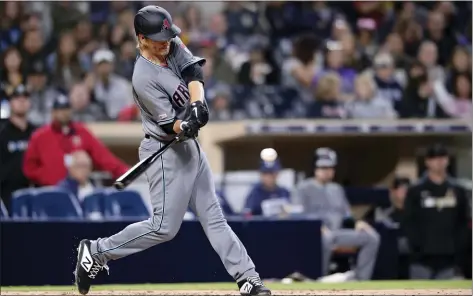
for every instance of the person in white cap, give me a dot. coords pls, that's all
(109, 89)
(324, 199)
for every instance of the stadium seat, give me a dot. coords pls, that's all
(21, 203)
(51, 202)
(3, 210)
(127, 203)
(93, 205)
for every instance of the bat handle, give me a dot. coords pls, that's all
(119, 185)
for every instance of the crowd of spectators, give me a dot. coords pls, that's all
(264, 59)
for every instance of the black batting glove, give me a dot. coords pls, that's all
(190, 128)
(199, 113)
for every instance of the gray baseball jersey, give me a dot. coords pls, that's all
(179, 179)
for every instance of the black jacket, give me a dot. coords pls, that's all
(13, 143)
(436, 218)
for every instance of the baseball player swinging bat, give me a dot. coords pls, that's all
(168, 90)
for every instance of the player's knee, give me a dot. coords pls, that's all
(165, 231)
(165, 234)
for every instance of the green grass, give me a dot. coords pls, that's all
(371, 285)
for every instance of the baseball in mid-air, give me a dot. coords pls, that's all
(268, 154)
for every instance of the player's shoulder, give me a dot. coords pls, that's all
(143, 72)
(177, 45)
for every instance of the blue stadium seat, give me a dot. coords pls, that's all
(21, 203)
(51, 202)
(127, 203)
(93, 205)
(3, 211)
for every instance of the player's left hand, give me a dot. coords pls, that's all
(190, 128)
(199, 113)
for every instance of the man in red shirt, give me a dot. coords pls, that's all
(50, 148)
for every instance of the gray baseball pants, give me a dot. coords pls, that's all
(180, 178)
(368, 244)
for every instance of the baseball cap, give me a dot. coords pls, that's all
(269, 161)
(103, 55)
(436, 150)
(19, 91)
(325, 158)
(400, 181)
(61, 102)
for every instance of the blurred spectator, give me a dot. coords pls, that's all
(193, 18)
(130, 113)
(267, 197)
(443, 37)
(10, 19)
(376, 11)
(218, 27)
(32, 47)
(299, 70)
(50, 148)
(327, 96)
(221, 70)
(258, 70)
(461, 64)
(428, 56)
(65, 64)
(15, 134)
(78, 180)
(387, 85)
(123, 30)
(220, 105)
(334, 61)
(42, 95)
(281, 17)
(323, 199)
(392, 217)
(457, 104)
(86, 44)
(83, 109)
(126, 59)
(411, 33)
(242, 19)
(340, 28)
(395, 46)
(354, 58)
(366, 36)
(65, 15)
(418, 100)
(436, 217)
(368, 103)
(12, 71)
(109, 89)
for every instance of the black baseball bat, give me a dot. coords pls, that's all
(138, 169)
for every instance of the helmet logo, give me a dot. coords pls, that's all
(166, 25)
